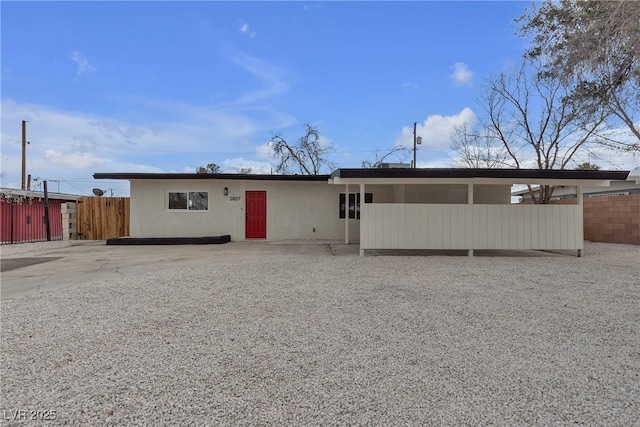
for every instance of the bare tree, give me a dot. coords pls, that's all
(477, 148)
(527, 115)
(594, 46)
(588, 167)
(399, 151)
(308, 156)
(210, 168)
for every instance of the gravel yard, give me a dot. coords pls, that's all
(318, 339)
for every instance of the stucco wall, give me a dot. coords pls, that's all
(491, 194)
(455, 194)
(294, 209)
(150, 218)
(437, 193)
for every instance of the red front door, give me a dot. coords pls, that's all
(256, 215)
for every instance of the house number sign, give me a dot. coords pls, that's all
(234, 198)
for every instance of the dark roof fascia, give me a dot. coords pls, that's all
(480, 173)
(227, 176)
(359, 173)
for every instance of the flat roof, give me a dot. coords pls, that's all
(236, 176)
(405, 175)
(467, 173)
(39, 194)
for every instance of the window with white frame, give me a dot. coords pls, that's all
(188, 200)
(354, 204)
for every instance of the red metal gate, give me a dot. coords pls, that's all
(22, 219)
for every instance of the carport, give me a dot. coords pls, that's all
(467, 209)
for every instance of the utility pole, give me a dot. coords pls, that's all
(414, 144)
(47, 224)
(24, 154)
(417, 140)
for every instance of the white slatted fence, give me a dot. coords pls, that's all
(448, 226)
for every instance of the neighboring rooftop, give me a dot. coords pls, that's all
(38, 194)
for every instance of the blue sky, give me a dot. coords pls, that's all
(169, 86)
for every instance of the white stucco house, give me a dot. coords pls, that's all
(376, 208)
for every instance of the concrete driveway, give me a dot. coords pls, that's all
(33, 267)
(27, 273)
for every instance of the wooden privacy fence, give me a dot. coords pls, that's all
(101, 218)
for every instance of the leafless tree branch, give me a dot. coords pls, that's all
(308, 156)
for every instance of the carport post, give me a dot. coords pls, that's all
(469, 226)
(360, 223)
(346, 215)
(581, 204)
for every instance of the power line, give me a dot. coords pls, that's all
(60, 176)
(11, 137)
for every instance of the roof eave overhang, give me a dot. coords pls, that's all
(463, 175)
(466, 181)
(223, 176)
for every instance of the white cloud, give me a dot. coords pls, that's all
(74, 160)
(309, 6)
(606, 159)
(265, 151)
(436, 130)
(409, 85)
(324, 141)
(112, 129)
(438, 162)
(270, 75)
(240, 164)
(72, 146)
(164, 135)
(82, 62)
(244, 28)
(461, 74)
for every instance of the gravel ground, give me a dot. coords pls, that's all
(336, 340)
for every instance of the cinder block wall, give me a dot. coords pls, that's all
(69, 221)
(613, 219)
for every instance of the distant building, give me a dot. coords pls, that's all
(611, 215)
(625, 187)
(23, 215)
